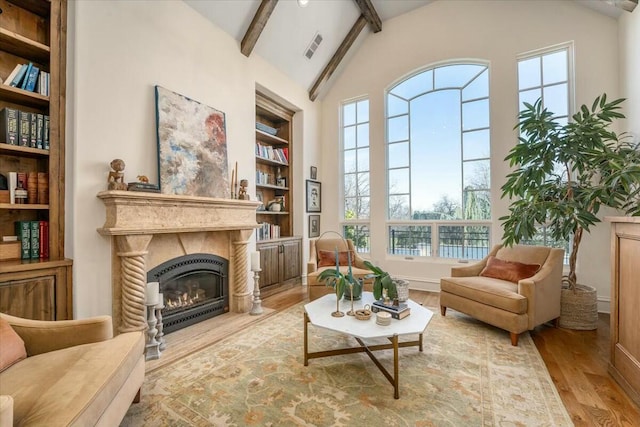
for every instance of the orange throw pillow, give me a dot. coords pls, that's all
(328, 258)
(12, 349)
(508, 270)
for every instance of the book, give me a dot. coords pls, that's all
(394, 314)
(25, 78)
(400, 307)
(13, 183)
(23, 231)
(33, 129)
(12, 74)
(45, 133)
(31, 79)
(44, 239)
(35, 239)
(17, 79)
(39, 130)
(24, 130)
(9, 126)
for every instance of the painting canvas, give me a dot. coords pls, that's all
(192, 147)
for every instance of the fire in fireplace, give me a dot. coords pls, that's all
(195, 287)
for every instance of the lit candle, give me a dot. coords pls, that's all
(152, 293)
(255, 261)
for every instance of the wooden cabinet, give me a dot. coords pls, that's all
(34, 31)
(281, 262)
(624, 365)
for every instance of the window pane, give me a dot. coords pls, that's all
(363, 159)
(350, 188)
(363, 184)
(475, 114)
(415, 85)
(359, 235)
(350, 207)
(555, 99)
(479, 88)
(396, 106)
(529, 73)
(463, 242)
(349, 161)
(410, 240)
(476, 174)
(554, 67)
(349, 137)
(363, 111)
(477, 205)
(399, 181)
(399, 128)
(455, 76)
(348, 114)
(364, 209)
(363, 135)
(530, 96)
(398, 155)
(399, 207)
(475, 145)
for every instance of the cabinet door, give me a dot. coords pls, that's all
(270, 264)
(30, 298)
(292, 256)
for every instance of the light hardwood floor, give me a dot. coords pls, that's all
(576, 360)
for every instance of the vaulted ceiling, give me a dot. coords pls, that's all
(283, 31)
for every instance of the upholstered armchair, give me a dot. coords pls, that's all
(514, 288)
(322, 256)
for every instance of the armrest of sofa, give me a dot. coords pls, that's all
(543, 289)
(6, 410)
(41, 336)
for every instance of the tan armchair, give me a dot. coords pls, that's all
(317, 289)
(515, 307)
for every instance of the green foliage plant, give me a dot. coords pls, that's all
(336, 279)
(564, 173)
(381, 280)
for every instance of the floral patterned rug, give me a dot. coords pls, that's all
(467, 375)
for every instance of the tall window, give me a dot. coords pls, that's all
(438, 150)
(355, 164)
(547, 74)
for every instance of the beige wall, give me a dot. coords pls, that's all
(118, 51)
(629, 32)
(495, 31)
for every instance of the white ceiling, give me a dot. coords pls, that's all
(291, 28)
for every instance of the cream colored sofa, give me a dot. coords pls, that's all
(317, 289)
(515, 307)
(75, 374)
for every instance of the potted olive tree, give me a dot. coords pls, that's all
(563, 174)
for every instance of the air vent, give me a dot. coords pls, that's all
(317, 39)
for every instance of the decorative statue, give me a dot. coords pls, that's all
(116, 176)
(242, 194)
(143, 178)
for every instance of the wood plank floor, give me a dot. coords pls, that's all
(576, 360)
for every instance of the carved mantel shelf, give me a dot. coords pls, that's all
(130, 212)
(134, 218)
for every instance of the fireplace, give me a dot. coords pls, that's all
(195, 287)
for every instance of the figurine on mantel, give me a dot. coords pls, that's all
(116, 176)
(242, 195)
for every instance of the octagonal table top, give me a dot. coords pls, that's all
(319, 312)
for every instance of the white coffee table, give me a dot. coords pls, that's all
(318, 312)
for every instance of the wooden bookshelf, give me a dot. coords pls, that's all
(35, 31)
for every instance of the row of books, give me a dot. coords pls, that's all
(267, 231)
(34, 186)
(24, 128)
(270, 179)
(270, 153)
(399, 311)
(34, 239)
(30, 78)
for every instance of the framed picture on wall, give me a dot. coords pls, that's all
(314, 196)
(314, 172)
(314, 225)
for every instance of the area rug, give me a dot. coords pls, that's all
(468, 375)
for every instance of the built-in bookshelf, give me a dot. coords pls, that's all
(32, 154)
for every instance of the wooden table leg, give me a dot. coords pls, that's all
(306, 348)
(420, 345)
(396, 376)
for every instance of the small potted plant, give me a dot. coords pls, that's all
(381, 281)
(563, 174)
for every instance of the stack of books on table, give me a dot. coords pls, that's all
(399, 311)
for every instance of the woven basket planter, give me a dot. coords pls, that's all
(579, 308)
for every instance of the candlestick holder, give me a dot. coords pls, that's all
(256, 304)
(351, 312)
(162, 344)
(152, 347)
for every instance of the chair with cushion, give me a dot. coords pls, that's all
(514, 288)
(322, 256)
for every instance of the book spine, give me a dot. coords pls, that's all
(9, 125)
(32, 188)
(35, 239)
(39, 131)
(24, 123)
(44, 239)
(25, 79)
(12, 75)
(19, 77)
(43, 188)
(394, 314)
(33, 129)
(45, 133)
(32, 78)
(23, 231)
(13, 183)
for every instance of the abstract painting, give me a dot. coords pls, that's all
(192, 147)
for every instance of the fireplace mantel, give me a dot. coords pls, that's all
(180, 224)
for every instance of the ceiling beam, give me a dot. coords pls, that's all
(337, 57)
(257, 25)
(369, 12)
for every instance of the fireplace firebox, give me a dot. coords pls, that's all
(195, 287)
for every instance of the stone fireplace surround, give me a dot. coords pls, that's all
(148, 229)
